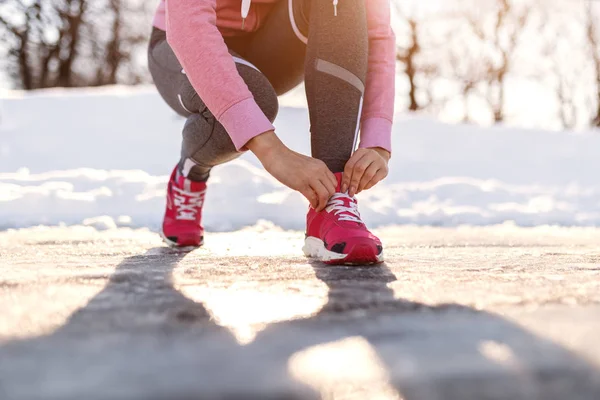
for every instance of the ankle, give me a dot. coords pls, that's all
(198, 177)
(193, 171)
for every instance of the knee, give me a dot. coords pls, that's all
(262, 90)
(196, 132)
(206, 141)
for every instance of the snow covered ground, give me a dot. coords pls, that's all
(101, 158)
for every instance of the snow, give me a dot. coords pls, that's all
(101, 158)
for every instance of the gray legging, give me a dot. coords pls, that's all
(332, 58)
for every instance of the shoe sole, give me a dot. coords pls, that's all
(175, 245)
(359, 254)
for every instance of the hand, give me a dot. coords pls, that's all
(365, 169)
(307, 175)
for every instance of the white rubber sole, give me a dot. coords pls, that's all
(315, 248)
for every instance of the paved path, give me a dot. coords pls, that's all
(471, 313)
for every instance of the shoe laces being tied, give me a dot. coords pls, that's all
(187, 204)
(337, 205)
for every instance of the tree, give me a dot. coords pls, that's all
(19, 33)
(73, 42)
(507, 24)
(418, 67)
(593, 38)
(407, 55)
(562, 64)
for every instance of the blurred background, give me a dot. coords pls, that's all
(530, 63)
(498, 105)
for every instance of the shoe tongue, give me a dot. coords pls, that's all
(346, 199)
(197, 186)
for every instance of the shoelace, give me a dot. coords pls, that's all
(338, 206)
(187, 204)
(246, 10)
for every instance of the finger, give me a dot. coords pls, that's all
(368, 175)
(322, 194)
(329, 180)
(347, 175)
(326, 176)
(379, 176)
(310, 195)
(348, 169)
(333, 180)
(359, 169)
(329, 186)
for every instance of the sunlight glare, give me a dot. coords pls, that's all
(330, 366)
(246, 310)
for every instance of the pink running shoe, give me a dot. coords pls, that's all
(338, 236)
(182, 225)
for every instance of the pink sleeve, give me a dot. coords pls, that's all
(378, 110)
(201, 50)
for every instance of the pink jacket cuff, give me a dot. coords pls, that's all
(243, 121)
(376, 132)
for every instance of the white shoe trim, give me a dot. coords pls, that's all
(315, 248)
(188, 164)
(169, 242)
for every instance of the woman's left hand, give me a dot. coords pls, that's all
(365, 169)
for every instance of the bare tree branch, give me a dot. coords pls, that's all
(592, 32)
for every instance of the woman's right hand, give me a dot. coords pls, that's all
(307, 175)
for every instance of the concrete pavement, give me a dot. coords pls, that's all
(467, 313)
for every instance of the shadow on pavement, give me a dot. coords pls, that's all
(140, 338)
(446, 351)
